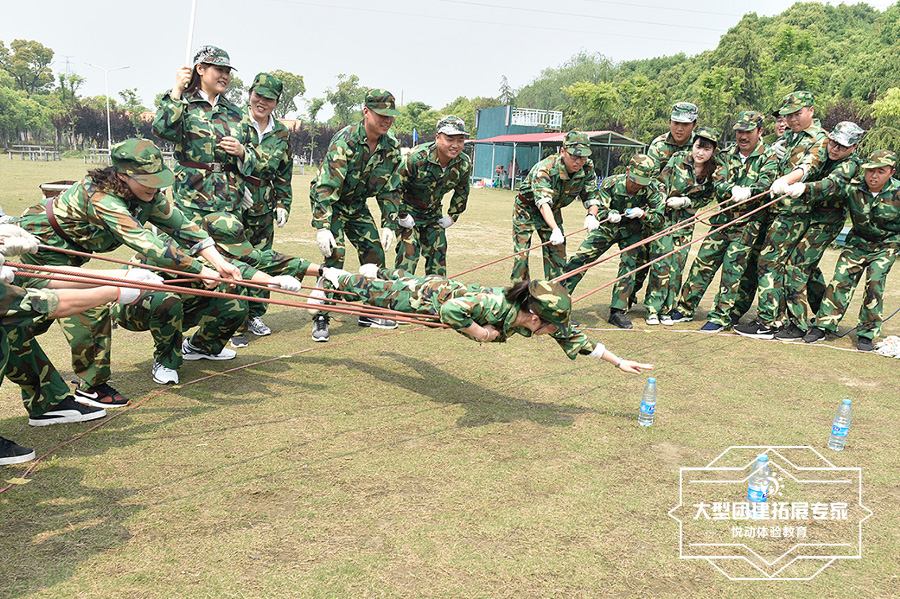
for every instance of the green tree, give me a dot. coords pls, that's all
(131, 104)
(592, 105)
(28, 64)
(294, 88)
(346, 97)
(236, 92)
(507, 95)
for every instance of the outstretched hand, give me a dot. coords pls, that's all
(633, 367)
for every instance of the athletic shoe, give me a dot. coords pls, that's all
(13, 453)
(320, 328)
(240, 340)
(164, 375)
(101, 396)
(813, 335)
(68, 410)
(756, 330)
(318, 294)
(711, 327)
(790, 332)
(258, 327)
(573, 324)
(189, 352)
(666, 320)
(377, 323)
(617, 318)
(652, 320)
(679, 317)
(864, 344)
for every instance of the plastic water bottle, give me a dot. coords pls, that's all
(841, 426)
(758, 489)
(648, 403)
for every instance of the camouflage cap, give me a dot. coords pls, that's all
(847, 133)
(794, 101)
(212, 55)
(641, 169)
(707, 133)
(577, 144)
(550, 302)
(267, 86)
(880, 158)
(141, 160)
(685, 112)
(381, 101)
(748, 120)
(228, 233)
(451, 125)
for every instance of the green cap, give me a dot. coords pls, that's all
(847, 133)
(881, 158)
(641, 169)
(707, 133)
(228, 233)
(684, 112)
(748, 120)
(794, 101)
(141, 160)
(212, 55)
(267, 86)
(381, 101)
(451, 125)
(577, 144)
(550, 302)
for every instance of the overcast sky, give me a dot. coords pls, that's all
(426, 50)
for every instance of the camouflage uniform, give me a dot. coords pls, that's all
(423, 184)
(614, 197)
(872, 246)
(548, 182)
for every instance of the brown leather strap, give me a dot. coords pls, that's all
(51, 218)
(219, 167)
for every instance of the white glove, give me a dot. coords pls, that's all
(796, 189)
(779, 188)
(591, 223)
(285, 282)
(143, 275)
(281, 216)
(614, 217)
(128, 295)
(325, 241)
(779, 149)
(634, 212)
(446, 222)
(677, 202)
(739, 194)
(407, 222)
(387, 238)
(369, 271)
(3, 216)
(332, 275)
(556, 236)
(7, 273)
(247, 202)
(15, 240)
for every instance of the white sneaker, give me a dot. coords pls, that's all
(164, 375)
(317, 296)
(189, 352)
(652, 319)
(258, 327)
(666, 320)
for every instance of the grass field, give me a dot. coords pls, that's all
(416, 463)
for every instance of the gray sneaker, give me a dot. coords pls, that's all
(258, 327)
(320, 328)
(240, 340)
(377, 323)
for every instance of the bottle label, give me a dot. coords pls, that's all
(756, 495)
(839, 431)
(647, 408)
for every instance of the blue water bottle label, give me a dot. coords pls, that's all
(839, 431)
(756, 495)
(647, 408)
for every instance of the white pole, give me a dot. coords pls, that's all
(106, 73)
(190, 40)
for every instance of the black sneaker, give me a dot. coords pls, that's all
(813, 335)
(377, 323)
(13, 453)
(865, 344)
(677, 316)
(320, 328)
(790, 332)
(101, 396)
(618, 318)
(756, 330)
(239, 340)
(68, 410)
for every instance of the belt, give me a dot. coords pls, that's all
(219, 167)
(51, 218)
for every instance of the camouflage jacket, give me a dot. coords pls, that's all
(274, 165)
(823, 194)
(350, 174)
(678, 179)
(806, 150)
(491, 307)
(875, 218)
(196, 127)
(650, 198)
(424, 183)
(548, 182)
(102, 222)
(662, 148)
(23, 308)
(757, 172)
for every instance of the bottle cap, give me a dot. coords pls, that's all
(653, 380)
(847, 402)
(762, 457)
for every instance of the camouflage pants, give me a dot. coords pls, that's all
(90, 337)
(526, 222)
(802, 269)
(664, 278)
(427, 239)
(750, 279)
(168, 315)
(594, 246)
(858, 258)
(406, 294)
(360, 230)
(23, 362)
(782, 238)
(259, 229)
